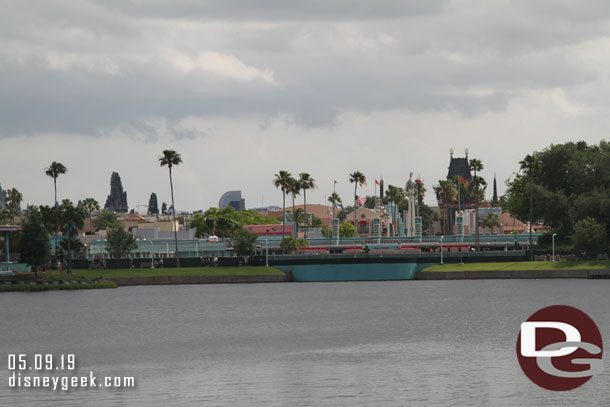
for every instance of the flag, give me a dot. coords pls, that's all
(336, 182)
(463, 180)
(376, 182)
(419, 181)
(359, 201)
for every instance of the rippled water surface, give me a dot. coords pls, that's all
(407, 343)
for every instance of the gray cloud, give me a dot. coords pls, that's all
(127, 69)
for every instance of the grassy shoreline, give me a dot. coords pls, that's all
(524, 265)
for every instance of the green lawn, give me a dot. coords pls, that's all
(183, 271)
(524, 265)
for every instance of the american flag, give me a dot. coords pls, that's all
(359, 201)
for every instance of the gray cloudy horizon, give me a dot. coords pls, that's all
(244, 89)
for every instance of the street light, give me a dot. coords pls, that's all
(554, 234)
(442, 249)
(267, 256)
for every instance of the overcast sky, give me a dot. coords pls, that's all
(243, 89)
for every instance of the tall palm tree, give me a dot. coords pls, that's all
(298, 217)
(306, 182)
(357, 178)
(476, 166)
(92, 205)
(335, 199)
(294, 189)
(282, 181)
(72, 218)
(447, 193)
(54, 171)
(171, 158)
(420, 193)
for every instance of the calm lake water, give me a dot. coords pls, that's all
(406, 343)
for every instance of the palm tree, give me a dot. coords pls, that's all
(420, 193)
(92, 205)
(491, 221)
(72, 218)
(106, 219)
(335, 199)
(294, 189)
(54, 171)
(306, 182)
(476, 165)
(447, 193)
(169, 159)
(282, 181)
(357, 178)
(298, 217)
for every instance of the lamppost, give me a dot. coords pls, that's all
(442, 249)
(267, 255)
(554, 234)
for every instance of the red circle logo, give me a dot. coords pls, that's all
(559, 348)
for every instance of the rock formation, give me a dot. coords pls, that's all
(117, 200)
(153, 206)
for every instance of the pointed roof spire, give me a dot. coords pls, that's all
(495, 197)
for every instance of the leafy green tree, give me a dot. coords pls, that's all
(35, 247)
(370, 201)
(357, 178)
(120, 243)
(282, 180)
(169, 159)
(315, 221)
(13, 203)
(428, 217)
(244, 242)
(223, 222)
(342, 215)
(106, 219)
(55, 170)
(345, 230)
(590, 236)
(92, 205)
(291, 245)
